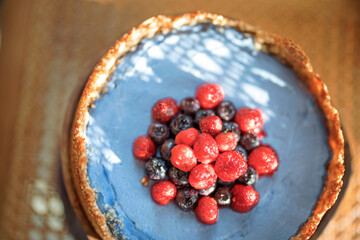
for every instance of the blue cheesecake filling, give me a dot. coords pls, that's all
(173, 65)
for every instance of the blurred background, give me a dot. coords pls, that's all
(48, 49)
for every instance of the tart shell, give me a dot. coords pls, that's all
(285, 50)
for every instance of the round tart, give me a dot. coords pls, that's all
(170, 57)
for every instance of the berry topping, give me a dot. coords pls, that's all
(205, 148)
(191, 159)
(242, 151)
(202, 114)
(231, 127)
(223, 197)
(143, 148)
(156, 169)
(202, 176)
(158, 132)
(211, 125)
(180, 122)
(163, 192)
(264, 160)
(226, 110)
(186, 198)
(207, 191)
(229, 166)
(244, 198)
(189, 105)
(187, 137)
(249, 141)
(178, 177)
(183, 157)
(165, 149)
(226, 141)
(164, 110)
(249, 178)
(209, 95)
(207, 210)
(249, 120)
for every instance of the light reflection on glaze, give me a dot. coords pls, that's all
(174, 65)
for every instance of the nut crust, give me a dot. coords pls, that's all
(285, 50)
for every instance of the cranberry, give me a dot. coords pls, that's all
(249, 120)
(263, 159)
(163, 192)
(211, 124)
(187, 137)
(183, 157)
(229, 166)
(226, 141)
(205, 148)
(207, 210)
(202, 176)
(143, 148)
(209, 95)
(164, 110)
(244, 198)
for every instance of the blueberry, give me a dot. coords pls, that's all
(156, 169)
(223, 183)
(207, 191)
(202, 114)
(189, 105)
(223, 196)
(226, 110)
(158, 132)
(242, 151)
(231, 127)
(180, 122)
(178, 177)
(165, 149)
(186, 198)
(249, 178)
(249, 141)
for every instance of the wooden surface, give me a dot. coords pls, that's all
(49, 47)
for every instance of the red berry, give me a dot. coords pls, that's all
(226, 141)
(164, 110)
(229, 166)
(244, 198)
(163, 192)
(205, 148)
(209, 95)
(249, 120)
(202, 176)
(207, 210)
(187, 137)
(263, 159)
(211, 124)
(143, 148)
(183, 157)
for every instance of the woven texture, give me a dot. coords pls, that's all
(49, 48)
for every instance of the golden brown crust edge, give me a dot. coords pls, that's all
(285, 50)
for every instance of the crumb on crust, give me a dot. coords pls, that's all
(145, 181)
